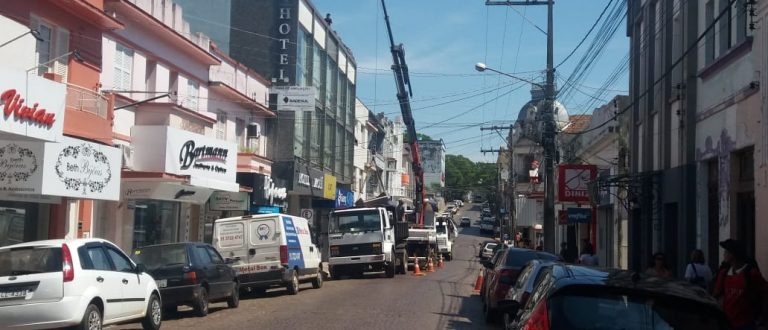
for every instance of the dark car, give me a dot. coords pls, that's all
(465, 222)
(504, 272)
(578, 297)
(191, 274)
(520, 292)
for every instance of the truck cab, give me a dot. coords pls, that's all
(363, 239)
(445, 234)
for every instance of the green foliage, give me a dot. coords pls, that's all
(462, 175)
(419, 136)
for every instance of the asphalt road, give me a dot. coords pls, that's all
(440, 300)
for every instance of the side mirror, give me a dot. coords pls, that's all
(141, 268)
(508, 306)
(230, 261)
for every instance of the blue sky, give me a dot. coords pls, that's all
(443, 41)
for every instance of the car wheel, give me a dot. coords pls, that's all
(489, 315)
(154, 317)
(403, 269)
(234, 300)
(293, 286)
(201, 305)
(91, 319)
(317, 282)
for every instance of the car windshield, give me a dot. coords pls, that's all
(490, 246)
(361, 221)
(600, 310)
(158, 256)
(30, 260)
(441, 228)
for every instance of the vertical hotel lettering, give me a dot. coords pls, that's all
(284, 30)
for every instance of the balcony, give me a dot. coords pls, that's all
(251, 158)
(86, 100)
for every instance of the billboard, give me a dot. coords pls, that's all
(573, 182)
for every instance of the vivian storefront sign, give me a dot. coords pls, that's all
(209, 162)
(70, 168)
(31, 106)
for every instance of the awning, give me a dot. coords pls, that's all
(165, 191)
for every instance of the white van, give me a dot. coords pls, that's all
(269, 250)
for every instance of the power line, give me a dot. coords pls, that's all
(586, 35)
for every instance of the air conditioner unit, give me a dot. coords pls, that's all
(127, 155)
(254, 130)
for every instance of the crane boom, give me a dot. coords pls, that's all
(400, 71)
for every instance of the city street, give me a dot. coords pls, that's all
(440, 300)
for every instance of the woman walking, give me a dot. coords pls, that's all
(697, 271)
(658, 266)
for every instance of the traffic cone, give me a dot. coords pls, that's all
(430, 266)
(440, 262)
(416, 269)
(479, 282)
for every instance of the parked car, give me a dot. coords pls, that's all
(504, 273)
(578, 297)
(486, 249)
(191, 274)
(269, 250)
(520, 291)
(487, 226)
(496, 252)
(465, 222)
(79, 282)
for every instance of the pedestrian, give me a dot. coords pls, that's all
(658, 266)
(741, 288)
(588, 256)
(697, 271)
(564, 250)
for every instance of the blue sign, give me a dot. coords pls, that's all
(579, 215)
(344, 198)
(265, 209)
(295, 255)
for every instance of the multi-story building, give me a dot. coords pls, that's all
(60, 172)
(289, 43)
(692, 147)
(393, 155)
(366, 133)
(760, 38)
(188, 119)
(433, 162)
(599, 145)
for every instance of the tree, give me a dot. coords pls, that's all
(419, 136)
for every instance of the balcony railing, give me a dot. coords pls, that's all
(83, 99)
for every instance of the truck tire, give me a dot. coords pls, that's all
(403, 267)
(317, 282)
(448, 256)
(293, 285)
(390, 269)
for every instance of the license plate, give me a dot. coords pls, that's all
(13, 294)
(162, 283)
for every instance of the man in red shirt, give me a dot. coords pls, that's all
(740, 288)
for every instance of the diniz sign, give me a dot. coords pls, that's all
(13, 104)
(573, 182)
(206, 158)
(284, 31)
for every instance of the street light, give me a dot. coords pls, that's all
(75, 53)
(482, 67)
(34, 33)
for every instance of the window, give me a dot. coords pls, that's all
(157, 256)
(202, 256)
(709, 44)
(193, 94)
(298, 134)
(318, 74)
(240, 133)
(328, 146)
(724, 27)
(30, 260)
(99, 260)
(123, 67)
(122, 263)
(338, 149)
(303, 59)
(215, 257)
(316, 141)
(54, 44)
(221, 125)
(151, 78)
(331, 86)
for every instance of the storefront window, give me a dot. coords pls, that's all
(22, 222)
(155, 222)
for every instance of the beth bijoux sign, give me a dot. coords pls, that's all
(573, 182)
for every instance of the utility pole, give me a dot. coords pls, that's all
(510, 204)
(548, 135)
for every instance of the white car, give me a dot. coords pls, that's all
(85, 283)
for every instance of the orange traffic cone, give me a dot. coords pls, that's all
(479, 282)
(440, 262)
(416, 269)
(430, 266)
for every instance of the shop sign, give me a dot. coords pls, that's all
(573, 182)
(165, 191)
(272, 192)
(21, 166)
(294, 98)
(210, 163)
(76, 168)
(579, 215)
(31, 106)
(265, 209)
(344, 198)
(329, 186)
(229, 201)
(308, 180)
(303, 179)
